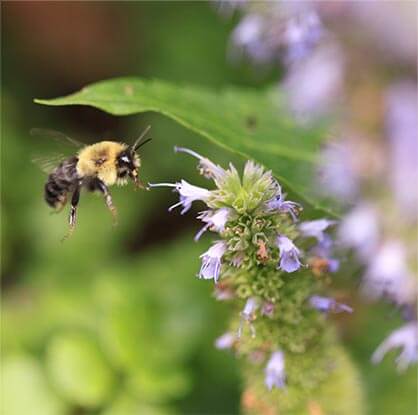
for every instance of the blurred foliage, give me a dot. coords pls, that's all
(113, 321)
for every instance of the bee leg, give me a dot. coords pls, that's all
(73, 213)
(140, 185)
(108, 200)
(137, 182)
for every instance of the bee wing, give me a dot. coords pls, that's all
(56, 136)
(48, 163)
(51, 153)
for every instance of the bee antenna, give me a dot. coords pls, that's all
(142, 143)
(138, 142)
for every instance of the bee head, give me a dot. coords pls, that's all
(128, 162)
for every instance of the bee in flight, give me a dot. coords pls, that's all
(95, 167)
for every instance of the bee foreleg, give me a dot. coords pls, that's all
(108, 200)
(138, 183)
(73, 212)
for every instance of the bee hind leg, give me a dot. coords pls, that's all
(73, 213)
(108, 200)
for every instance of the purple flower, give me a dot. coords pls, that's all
(279, 204)
(248, 315)
(315, 228)
(207, 168)
(407, 339)
(326, 304)
(301, 34)
(249, 309)
(268, 309)
(388, 274)
(360, 230)
(226, 341)
(215, 220)
(288, 29)
(314, 84)
(402, 129)
(399, 44)
(188, 194)
(323, 251)
(338, 173)
(211, 261)
(275, 371)
(289, 254)
(249, 35)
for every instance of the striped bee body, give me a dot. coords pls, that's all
(63, 180)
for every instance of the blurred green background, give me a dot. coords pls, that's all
(113, 321)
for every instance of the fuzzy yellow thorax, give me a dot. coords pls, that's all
(99, 160)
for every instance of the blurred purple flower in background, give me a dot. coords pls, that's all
(405, 338)
(293, 33)
(326, 304)
(301, 35)
(272, 31)
(249, 37)
(275, 371)
(316, 228)
(388, 274)
(359, 229)
(226, 341)
(338, 172)
(314, 86)
(402, 131)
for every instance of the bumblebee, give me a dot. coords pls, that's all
(95, 167)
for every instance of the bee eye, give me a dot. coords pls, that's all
(125, 159)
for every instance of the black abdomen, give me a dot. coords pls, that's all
(62, 180)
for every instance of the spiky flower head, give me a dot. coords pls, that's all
(261, 260)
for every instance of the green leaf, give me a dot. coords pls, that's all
(254, 124)
(125, 404)
(78, 369)
(158, 387)
(25, 389)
